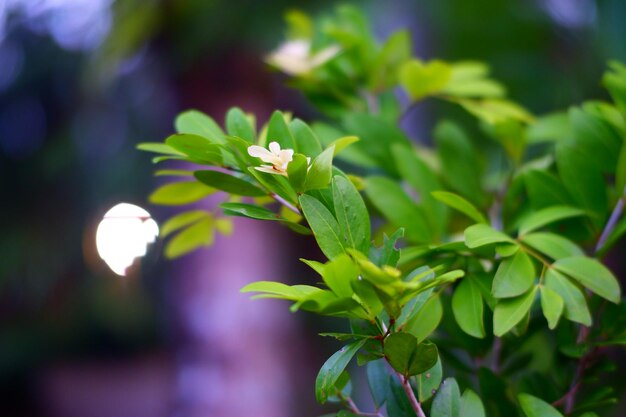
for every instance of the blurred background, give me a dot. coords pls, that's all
(83, 81)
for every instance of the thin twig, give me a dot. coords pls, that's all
(406, 386)
(285, 203)
(610, 225)
(354, 409)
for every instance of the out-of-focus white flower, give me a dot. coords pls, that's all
(295, 58)
(278, 158)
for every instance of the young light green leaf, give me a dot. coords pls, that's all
(510, 311)
(332, 369)
(482, 234)
(342, 143)
(534, 407)
(592, 274)
(447, 402)
(467, 307)
(321, 170)
(575, 303)
(324, 226)
(471, 405)
(237, 124)
(198, 234)
(546, 216)
(553, 245)
(271, 289)
(179, 193)
(351, 213)
(428, 382)
(552, 305)
(421, 79)
(514, 276)
(229, 183)
(181, 220)
(459, 203)
(198, 123)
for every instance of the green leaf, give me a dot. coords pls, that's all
(408, 357)
(237, 124)
(584, 182)
(550, 128)
(321, 170)
(249, 210)
(395, 51)
(228, 183)
(421, 79)
(198, 123)
(546, 216)
(179, 193)
(471, 405)
(181, 220)
(481, 234)
(196, 147)
(377, 376)
(387, 254)
(158, 147)
(553, 245)
(324, 226)
(514, 276)
(339, 273)
(544, 189)
(351, 213)
(510, 311)
(332, 369)
(426, 320)
(459, 203)
(391, 200)
(377, 138)
(276, 184)
(428, 382)
(447, 402)
(592, 274)
(467, 307)
(278, 131)
(297, 171)
(459, 162)
(615, 81)
(173, 173)
(424, 181)
(575, 303)
(534, 407)
(552, 305)
(198, 234)
(306, 141)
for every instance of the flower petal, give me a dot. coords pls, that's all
(270, 170)
(261, 152)
(275, 148)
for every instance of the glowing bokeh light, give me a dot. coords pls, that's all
(123, 235)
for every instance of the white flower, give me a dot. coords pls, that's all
(295, 58)
(275, 156)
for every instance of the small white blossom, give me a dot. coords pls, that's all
(295, 58)
(278, 158)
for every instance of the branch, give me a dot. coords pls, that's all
(353, 407)
(285, 203)
(610, 225)
(406, 386)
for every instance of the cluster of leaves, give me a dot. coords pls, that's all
(486, 248)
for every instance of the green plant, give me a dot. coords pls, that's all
(479, 239)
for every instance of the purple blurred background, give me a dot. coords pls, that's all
(83, 81)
